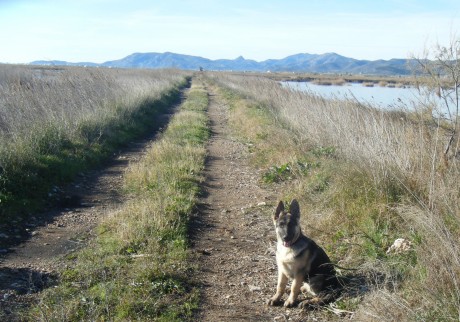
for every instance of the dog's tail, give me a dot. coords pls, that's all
(340, 267)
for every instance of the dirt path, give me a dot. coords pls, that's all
(32, 252)
(234, 233)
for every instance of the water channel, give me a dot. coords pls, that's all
(383, 97)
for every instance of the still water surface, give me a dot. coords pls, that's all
(384, 97)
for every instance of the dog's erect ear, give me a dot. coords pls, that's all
(294, 209)
(278, 210)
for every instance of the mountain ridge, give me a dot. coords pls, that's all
(301, 62)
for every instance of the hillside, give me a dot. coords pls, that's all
(312, 63)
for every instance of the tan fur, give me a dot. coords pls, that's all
(289, 268)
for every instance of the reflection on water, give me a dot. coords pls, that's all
(384, 97)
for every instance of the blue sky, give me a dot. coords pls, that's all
(101, 30)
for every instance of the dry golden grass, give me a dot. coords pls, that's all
(250, 120)
(332, 78)
(65, 97)
(337, 81)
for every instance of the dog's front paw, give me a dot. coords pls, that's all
(274, 301)
(289, 303)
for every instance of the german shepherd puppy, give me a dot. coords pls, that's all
(299, 258)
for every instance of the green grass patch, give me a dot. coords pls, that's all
(138, 267)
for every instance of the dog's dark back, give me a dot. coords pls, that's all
(321, 266)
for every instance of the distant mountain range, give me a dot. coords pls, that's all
(313, 63)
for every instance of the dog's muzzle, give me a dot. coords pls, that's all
(287, 243)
